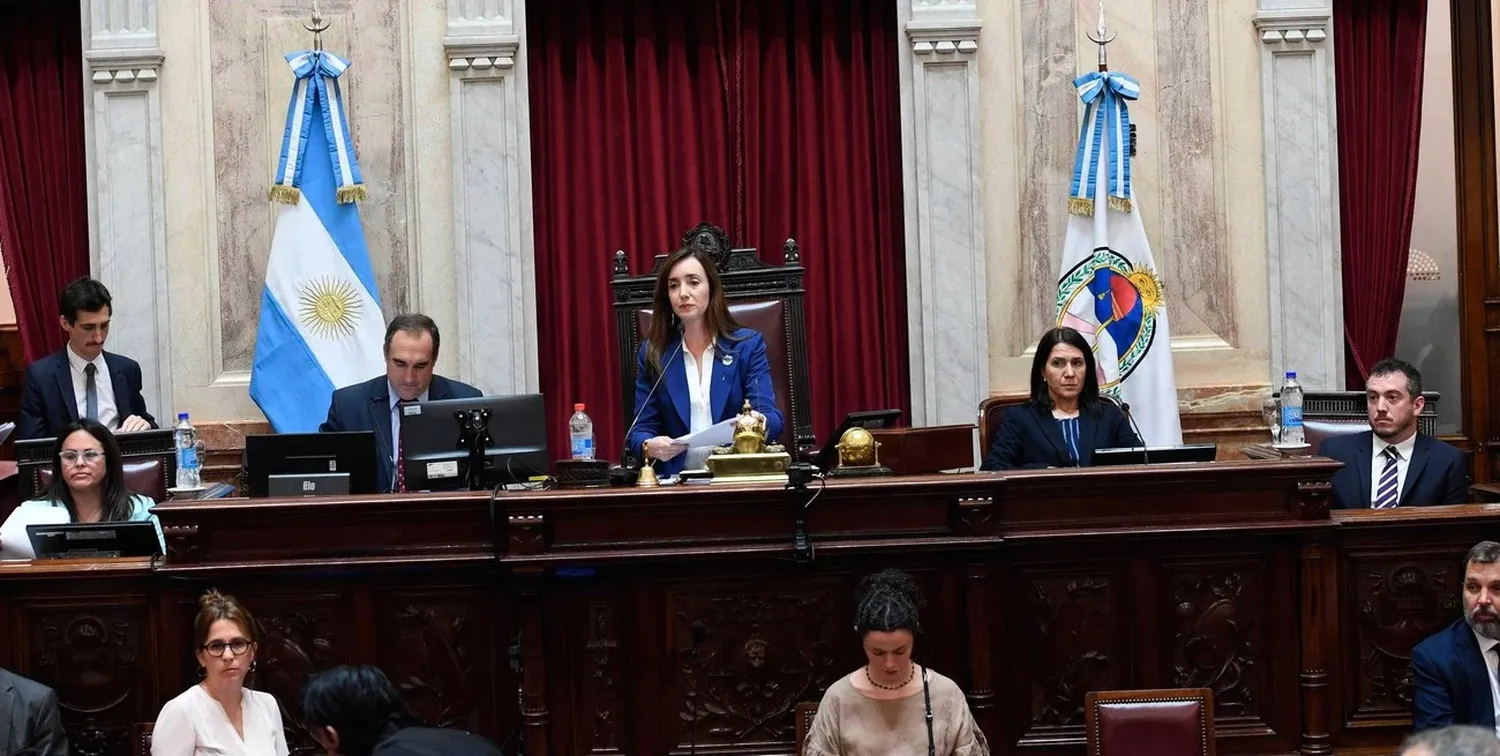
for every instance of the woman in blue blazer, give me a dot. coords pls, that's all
(696, 367)
(1065, 419)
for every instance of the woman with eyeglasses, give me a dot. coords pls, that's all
(88, 479)
(220, 715)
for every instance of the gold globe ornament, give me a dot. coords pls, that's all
(859, 455)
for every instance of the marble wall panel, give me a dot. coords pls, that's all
(251, 84)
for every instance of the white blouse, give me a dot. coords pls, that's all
(194, 724)
(700, 388)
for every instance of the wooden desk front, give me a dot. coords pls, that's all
(568, 616)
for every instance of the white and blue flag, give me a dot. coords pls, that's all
(321, 327)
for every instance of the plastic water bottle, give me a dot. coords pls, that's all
(581, 433)
(1291, 411)
(185, 438)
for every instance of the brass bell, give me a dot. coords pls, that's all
(647, 477)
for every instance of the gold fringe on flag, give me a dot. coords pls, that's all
(287, 195)
(1080, 206)
(1120, 203)
(348, 194)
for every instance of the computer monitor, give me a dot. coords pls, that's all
(135, 538)
(1138, 455)
(436, 441)
(351, 452)
(828, 456)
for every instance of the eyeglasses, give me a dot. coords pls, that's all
(238, 647)
(87, 456)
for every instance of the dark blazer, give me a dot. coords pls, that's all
(48, 403)
(1450, 681)
(1434, 475)
(669, 412)
(1029, 437)
(29, 721)
(367, 407)
(431, 741)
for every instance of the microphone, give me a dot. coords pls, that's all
(700, 631)
(1130, 418)
(660, 375)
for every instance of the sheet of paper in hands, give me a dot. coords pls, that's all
(718, 434)
(14, 542)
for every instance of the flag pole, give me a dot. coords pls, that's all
(1102, 38)
(318, 26)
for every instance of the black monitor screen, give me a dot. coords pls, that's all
(869, 420)
(437, 459)
(1136, 455)
(96, 539)
(351, 452)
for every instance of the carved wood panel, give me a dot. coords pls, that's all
(1074, 640)
(301, 633)
(766, 646)
(91, 653)
(1397, 601)
(1216, 636)
(438, 648)
(599, 646)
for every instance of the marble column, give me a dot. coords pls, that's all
(492, 221)
(1300, 115)
(945, 261)
(127, 222)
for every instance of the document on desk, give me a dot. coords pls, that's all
(718, 434)
(14, 541)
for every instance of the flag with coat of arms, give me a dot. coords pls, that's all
(321, 327)
(1109, 289)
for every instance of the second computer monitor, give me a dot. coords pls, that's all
(436, 453)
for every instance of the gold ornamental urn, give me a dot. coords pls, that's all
(748, 458)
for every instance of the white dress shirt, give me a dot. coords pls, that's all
(1487, 650)
(194, 724)
(700, 389)
(108, 413)
(1377, 464)
(396, 422)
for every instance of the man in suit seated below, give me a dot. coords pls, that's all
(411, 349)
(1392, 464)
(29, 720)
(1453, 670)
(81, 379)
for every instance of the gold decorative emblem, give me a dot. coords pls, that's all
(749, 459)
(329, 308)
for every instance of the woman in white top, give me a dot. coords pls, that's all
(219, 715)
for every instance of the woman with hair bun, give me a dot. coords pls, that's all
(220, 715)
(893, 706)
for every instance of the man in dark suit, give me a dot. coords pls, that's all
(1392, 464)
(29, 721)
(1453, 671)
(81, 379)
(411, 349)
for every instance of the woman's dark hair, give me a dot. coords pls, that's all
(359, 702)
(664, 321)
(214, 606)
(1089, 397)
(114, 497)
(887, 601)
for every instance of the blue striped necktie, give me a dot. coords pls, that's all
(1388, 494)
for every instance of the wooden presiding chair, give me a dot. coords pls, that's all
(768, 298)
(806, 711)
(140, 738)
(991, 412)
(1174, 722)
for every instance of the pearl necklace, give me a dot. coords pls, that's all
(910, 675)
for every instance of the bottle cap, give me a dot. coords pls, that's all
(578, 407)
(182, 416)
(1291, 374)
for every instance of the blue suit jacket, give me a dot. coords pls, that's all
(741, 371)
(1450, 681)
(48, 403)
(367, 407)
(1435, 474)
(1029, 437)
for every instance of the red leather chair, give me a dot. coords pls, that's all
(1177, 722)
(991, 412)
(146, 476)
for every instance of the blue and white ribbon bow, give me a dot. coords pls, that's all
(317, 85)
(1105, 114)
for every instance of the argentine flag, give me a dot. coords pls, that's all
(321, 327)
(1109, 289)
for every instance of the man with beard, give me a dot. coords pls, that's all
(1453, 671)
(1391, 464)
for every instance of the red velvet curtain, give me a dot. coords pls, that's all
(1379, 48)
(772, 119)
(44, 228)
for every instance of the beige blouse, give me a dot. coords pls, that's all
(849, 723)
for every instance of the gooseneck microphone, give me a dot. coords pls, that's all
(1130, 418)
(660, 375)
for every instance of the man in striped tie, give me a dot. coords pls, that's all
(1392, 464)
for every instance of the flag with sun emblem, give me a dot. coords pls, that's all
(1109, 288)
(321, 327)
